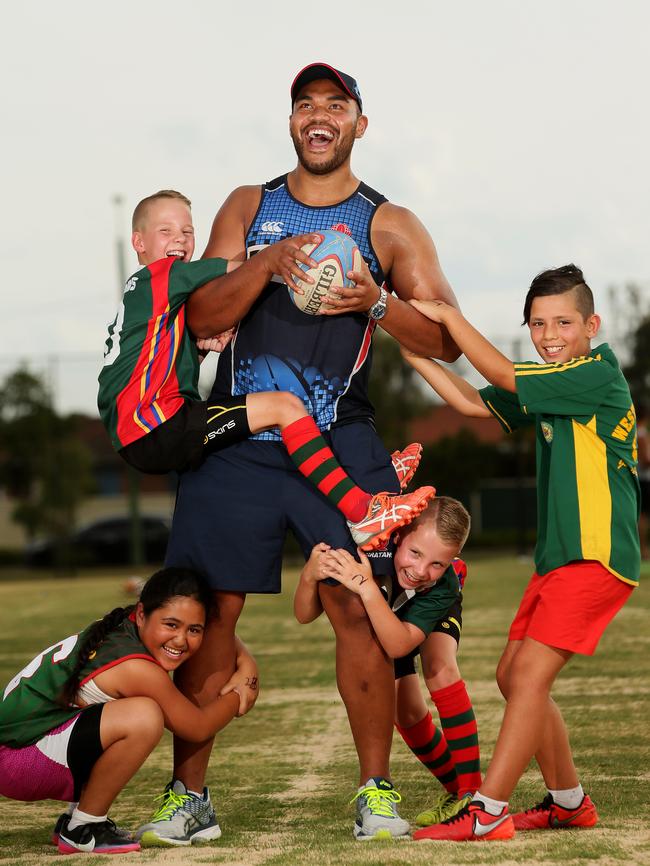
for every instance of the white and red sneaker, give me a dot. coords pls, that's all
(406, 462)
(386, 512)
(471, 824)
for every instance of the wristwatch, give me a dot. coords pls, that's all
(378, 309)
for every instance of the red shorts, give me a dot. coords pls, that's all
(570, 607)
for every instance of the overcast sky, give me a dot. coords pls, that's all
(517, 131)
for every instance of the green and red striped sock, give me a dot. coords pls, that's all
(429, 746)
(461, 732)
(314, 458)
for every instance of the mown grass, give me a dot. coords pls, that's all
(282, 776)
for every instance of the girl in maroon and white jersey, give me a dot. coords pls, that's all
(81, 718)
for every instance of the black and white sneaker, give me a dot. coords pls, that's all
(100, 838)
(62, 821)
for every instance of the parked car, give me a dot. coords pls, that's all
(103, 542)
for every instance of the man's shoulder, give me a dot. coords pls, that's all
(391, 215)
(404, 229)
(243, 196)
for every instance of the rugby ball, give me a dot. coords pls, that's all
(336, 254)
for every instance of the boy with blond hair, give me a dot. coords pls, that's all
(148, 388)
(416, 611)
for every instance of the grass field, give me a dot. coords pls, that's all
(281, 777)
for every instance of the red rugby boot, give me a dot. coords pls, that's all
(406, 462)
(471, 824)
(547, 815)
(386, 512)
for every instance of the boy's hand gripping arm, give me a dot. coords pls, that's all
(481, 354)
(306, 602)
(396, 637)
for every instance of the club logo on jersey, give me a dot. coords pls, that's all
(130, 285)
(272, 227)
(341, 227)
(547, 431)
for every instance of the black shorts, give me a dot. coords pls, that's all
(181, 442)
(85, 746)
(233, 514)
(451, 623)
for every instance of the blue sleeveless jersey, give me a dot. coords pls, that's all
(321, 359)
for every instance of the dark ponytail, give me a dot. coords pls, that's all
(94, 636)
(161, 587)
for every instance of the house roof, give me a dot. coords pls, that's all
(442, 421)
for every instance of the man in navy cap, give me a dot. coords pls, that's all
(233, 513)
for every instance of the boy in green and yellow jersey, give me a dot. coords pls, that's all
(587, 556)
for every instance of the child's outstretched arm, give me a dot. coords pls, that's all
(306, 602)
(452, 388)
(396, 637)
(481, 354)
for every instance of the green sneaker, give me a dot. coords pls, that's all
(181, 819)
(377, 816)
(446, 806)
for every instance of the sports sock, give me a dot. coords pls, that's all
(492, 807)
(430, 747)
(314, 458)
(568, 798)
(461, 732)
(78, 818)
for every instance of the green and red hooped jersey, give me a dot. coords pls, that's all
(425, 608)
(588, 493)
(29, 706)
(151, 364)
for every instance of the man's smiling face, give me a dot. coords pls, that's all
(324, 124)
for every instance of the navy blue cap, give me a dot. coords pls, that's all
(316, 71)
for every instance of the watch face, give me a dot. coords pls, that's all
(379, 307)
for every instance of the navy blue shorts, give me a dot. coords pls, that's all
(233, 513)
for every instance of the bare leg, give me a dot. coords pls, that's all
(201, 678)
(365, 678)
(439, 664)
(532, 723)
(129, 730)
(273, 409)
(554, 755)
(410, 706)
(439, 669)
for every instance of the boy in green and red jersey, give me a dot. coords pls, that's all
(415, 611)
(587, 556)
(148, 397)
